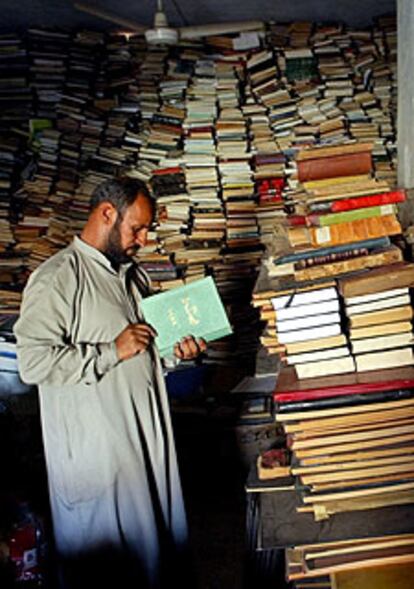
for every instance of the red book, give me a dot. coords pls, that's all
(384, 198)
(295, 220)
(290, 389)
(166, 171)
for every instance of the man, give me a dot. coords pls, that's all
(115, 493)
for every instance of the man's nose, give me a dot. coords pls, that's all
(141, 238)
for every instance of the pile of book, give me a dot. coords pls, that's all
(385, 561)
(105, 105)
(304, 326)
(351, 441)
(16, 97)
(341, 223)
(379, 312)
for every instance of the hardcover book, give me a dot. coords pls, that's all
(194, 309)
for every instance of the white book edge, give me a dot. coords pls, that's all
(385, 294)
(306, 322)
(383, 342)
(388, 359)
(378, 305)
(326, 367)
(303, 298)
(318, 355)
(303, 335)
(298, 311)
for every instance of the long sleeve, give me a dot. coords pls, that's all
(46, 351)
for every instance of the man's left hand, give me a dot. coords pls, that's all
(189, 348)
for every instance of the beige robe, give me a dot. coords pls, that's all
(113, 478)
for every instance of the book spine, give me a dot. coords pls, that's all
(331, 167)
(351, 215)
(391, 256)
(350, 232)
(379, 243)
(368, 201)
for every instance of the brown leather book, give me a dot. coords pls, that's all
(332, 167)
(388, 256)
(399, 275)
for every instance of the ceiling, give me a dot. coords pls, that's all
(21, 14)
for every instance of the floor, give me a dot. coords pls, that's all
(213, 461)
(212, 477)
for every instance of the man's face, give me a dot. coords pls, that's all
(129, 231)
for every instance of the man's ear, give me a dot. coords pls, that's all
(108, 213)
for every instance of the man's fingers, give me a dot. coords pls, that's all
(189, 347)
(143, 328)
(178, 351)
(202, 344)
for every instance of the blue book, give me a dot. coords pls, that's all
(370, 244)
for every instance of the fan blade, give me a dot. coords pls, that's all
(118, 20)
(192, 32)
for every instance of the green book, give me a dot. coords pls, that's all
(354, 215)
(194, 309)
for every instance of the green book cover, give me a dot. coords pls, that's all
(354, 215)
(194, 309)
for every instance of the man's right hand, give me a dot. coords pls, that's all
(134, 339)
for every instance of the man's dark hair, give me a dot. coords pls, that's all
(121, 193)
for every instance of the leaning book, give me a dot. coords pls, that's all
(194, 309)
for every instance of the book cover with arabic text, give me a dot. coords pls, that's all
(194, 309)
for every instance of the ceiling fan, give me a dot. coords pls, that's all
(161, 33)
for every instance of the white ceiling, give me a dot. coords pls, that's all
(17, 14)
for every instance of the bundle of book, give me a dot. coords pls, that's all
(351, 440)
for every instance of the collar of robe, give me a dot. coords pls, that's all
(97, 255)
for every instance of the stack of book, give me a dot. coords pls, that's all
(347, 563)
(105, 104)
(351, 440)
(16, 97)
(48, 53)
(337, 179)
(262, 74)
(305, 328)
(379, 312)
(260, 133)
(200, 157)
(10, 300)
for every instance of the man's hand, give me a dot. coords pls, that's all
(134, 339)
(189, 348)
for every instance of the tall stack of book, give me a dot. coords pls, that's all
(270, 179)
(351, 444)
(237, 187)
(48, 53)
(379, 311)
(342, 223)
(173, 207)
(208, 226)
(104, 105)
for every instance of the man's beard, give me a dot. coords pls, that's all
(113, 249)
